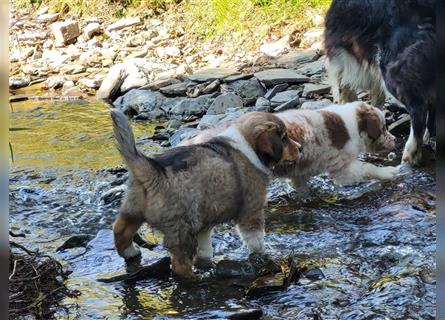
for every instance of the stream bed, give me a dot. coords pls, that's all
(372, 247)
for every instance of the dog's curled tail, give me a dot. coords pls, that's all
(138, 164)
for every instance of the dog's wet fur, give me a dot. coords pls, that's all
(186, 191)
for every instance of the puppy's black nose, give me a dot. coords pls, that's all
(300, 148)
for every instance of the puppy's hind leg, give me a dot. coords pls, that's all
(251, 229)
(124, 229)
(182, 245)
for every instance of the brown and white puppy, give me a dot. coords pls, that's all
(186, 191)
(332, 139)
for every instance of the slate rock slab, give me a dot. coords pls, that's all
(272, 77)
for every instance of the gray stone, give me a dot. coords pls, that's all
(54, 82)
(312, 36)
(124, 23)
(313, 68)
(155, 114)
(210, 74)
(48, 17)
(276, 48)
(138, 101)
(285, 96)
(315, 105)
(65, 32)
(174, 124)
(18, 82)
(249, 90)
(295, 59)
(90, 83)
(263, 105)
(288, 105)
(184, 133)
(192, 106)
(278, 88)
(223, 102)
(238, 77)
(92, 29)
(272, 77)
(311, 89)
(33, 35)
(210, 121)
(176, 89)
(158, 84)
(172, 51)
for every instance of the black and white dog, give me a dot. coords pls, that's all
(389, 48)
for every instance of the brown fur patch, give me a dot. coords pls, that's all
(338, 134)
(368, 121)
(295, 132)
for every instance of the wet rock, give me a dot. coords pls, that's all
(80, 240)
(234, 269)
(138, 101)
(73, 92)
(173, 124)
(223, 102)
(184, 133)
(278, 88)
(249, 90)
(48, 17)
(65, 32)
(246, 314)
(210, 74)
(19, 82)
(401, 126)
(18, 97)
(310, 90)
(124, 23)
(283, 97)
(192, 106)
(113, 194)
(315, 105)
(266, 284)
(313, 274)
(272, 77)
(276, 48)
(156, 114)
(92, 29)
(176, 89)
(159, 269)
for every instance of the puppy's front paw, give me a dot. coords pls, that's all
(131, 252)
(389, 173)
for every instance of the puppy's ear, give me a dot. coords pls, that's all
(373, 125)
(269, 146)
(265, 127)
(369, 122)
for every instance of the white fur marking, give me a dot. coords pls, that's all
(132, 251)
(205, 248)
(238, 142)
(254, 240)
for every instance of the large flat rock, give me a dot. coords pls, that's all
(272, 77)
(210, 74)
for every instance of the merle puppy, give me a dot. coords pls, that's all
(389, 48)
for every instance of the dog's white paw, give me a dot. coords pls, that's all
(254, 241)
(389, 173)
(131, 252)
(412, 154)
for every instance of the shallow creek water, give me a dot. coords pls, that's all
(373, 246)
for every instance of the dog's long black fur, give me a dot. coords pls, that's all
(399, 37)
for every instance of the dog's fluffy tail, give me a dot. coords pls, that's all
(138, 164)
